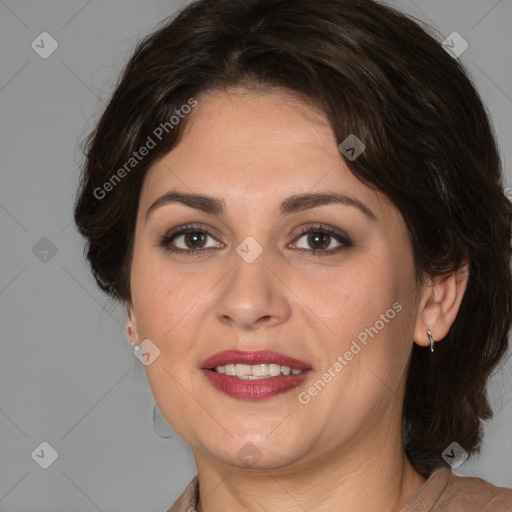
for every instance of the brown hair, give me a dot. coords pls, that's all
(430, 149)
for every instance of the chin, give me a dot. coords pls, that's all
(258, 452)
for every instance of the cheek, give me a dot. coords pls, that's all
(367, 354)
(155, 294)
(370, 318)
(359, 293)
(167, 299)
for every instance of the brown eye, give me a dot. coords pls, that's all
(188, 240)
(319, 240)
(191, 241)
(194, 239)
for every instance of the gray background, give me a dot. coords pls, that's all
(67, 373)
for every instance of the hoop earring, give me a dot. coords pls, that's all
(430, 337)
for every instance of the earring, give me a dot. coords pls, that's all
(430, 337)
(160, 426)
(131, 334)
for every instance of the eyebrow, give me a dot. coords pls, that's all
(292, 204)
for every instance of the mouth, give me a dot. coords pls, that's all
(254, 375)
(256, 371)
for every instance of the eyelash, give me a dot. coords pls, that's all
(306, 230)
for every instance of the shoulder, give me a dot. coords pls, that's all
(471, 493)
(445, 491)
(187, 500)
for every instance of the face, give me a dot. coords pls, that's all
(328, 284)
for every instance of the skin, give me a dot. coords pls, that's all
(326, 454)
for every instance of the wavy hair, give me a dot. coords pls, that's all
(430, 148)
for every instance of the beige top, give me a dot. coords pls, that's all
(442, 492)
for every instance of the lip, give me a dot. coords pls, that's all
(252, 357)
(254, 389)
(257, 389)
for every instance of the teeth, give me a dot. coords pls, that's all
(256, 371)
(274, 370)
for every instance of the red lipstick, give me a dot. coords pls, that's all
(252, 357)
(254, 389)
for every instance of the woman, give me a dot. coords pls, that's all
(300, 204)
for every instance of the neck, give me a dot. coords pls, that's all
(383, 479)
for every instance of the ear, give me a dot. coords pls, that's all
(131, 328)
(439, 304)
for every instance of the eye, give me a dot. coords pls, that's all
(319, 240)
(190, 240)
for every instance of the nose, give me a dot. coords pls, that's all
(252, 295)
